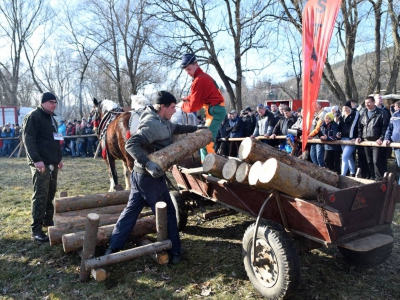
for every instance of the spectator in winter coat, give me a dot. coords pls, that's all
(348, 132)
(80, 141)
(275, 112)
(249, 122)
(372, 127)
(7, 143)
(265, 123)
(317, 150)
(393, 134)
(222, 147)
(329, 132)
(283, 125)
(71, 129)
(90, 141)
(235, 129)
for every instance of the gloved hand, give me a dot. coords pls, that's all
(154, 169)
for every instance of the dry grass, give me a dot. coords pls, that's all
(212, 268)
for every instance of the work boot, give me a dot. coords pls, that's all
(40, 236)
(176, 258)
(111, 250)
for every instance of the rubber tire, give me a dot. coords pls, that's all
(180, 208)
(368, 259)
(286, 256)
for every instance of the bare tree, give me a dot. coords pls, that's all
(395, 63)
(192, 25)
(22, 20)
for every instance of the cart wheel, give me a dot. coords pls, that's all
(276, 272)
(180, 208)
(368, 259)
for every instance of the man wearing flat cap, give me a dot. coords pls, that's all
(43, 151)
(148, 184)
(204, 93)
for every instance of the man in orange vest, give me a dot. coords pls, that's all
(204, 93)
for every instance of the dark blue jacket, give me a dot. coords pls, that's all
(330, 130)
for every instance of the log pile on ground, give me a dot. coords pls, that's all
(265, 167)
(71, 215)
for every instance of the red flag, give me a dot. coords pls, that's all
(318, 22)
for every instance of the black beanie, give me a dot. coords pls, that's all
(47, 97)
(348, 103)
(188, 59)
(164, 97)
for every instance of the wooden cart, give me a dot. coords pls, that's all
(356, 219)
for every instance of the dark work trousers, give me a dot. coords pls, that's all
(362, 162)
(375, 159)
(145, 190)
(44, 190)
(332, 160)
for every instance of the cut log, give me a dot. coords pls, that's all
(74, 241)
(242, 173)
(161, 221)
(251, 150)
(127, 255)
(99, 274)
(182, 148)
(229, 169)
(161, 258)
(213, 164)
(66, 226)
(90, 201)
(290, 181)
(106, 210)
(79, 221)
(254, 176)
(89, 244)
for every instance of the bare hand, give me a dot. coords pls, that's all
(266, 135)
(60, 165)
(379, 142)
(273, 136)
(386, 142)
(358, 140)
(40, 166)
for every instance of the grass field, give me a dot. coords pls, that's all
(212, 267)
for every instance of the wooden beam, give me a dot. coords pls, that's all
(89, 244)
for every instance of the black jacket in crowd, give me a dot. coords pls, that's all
(374, 128)
(349, 127)
(249, 123)
(279, 127)
(38, 136)
(222, 133)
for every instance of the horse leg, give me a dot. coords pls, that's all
(127, 175)
(112, 173)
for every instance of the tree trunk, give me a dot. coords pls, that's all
(74, 241)
(181, 149)
(214, 164)
(229, 169)
(89, 244)
(90, 201)
(254, 176)
(251, 150)
(290, 180)
(106, 210)
(242, 173)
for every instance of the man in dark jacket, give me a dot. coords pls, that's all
(285, 123)
(249, 121)
(43, 151)
(148, 183)
(372, 127)
(265, 123)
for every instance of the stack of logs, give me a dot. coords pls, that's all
(71, 213)
(266, 167)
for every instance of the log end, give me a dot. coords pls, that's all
(268, 170)
(161, 205)
(99, 274)
(245, 148)
(209, 162)
(93, 216)
(229, 169)
(254, 172)
(242, 172)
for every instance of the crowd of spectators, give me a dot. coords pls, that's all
(371, 122)
(8, 144)
(79, 146)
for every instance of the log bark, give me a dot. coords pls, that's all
(127, 255)
(230, 168)
(291, 181)
(242, 173)
(67, 226)
(106, 210)
(90, 201)
(254, 176)
(74, 241)
(214, 164)
(251, 150)
(161, 221)
(89, 244)
(182, 148)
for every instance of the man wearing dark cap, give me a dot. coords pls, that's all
(148, 185)
(43, 151)
(204, 93)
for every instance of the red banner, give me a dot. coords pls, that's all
(318, 22)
